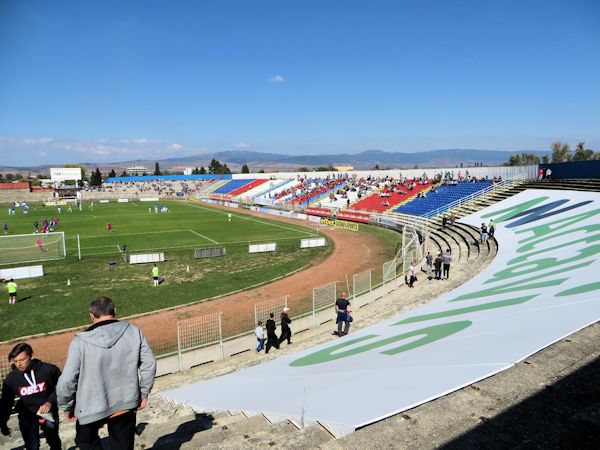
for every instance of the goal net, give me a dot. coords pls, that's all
(23, 248)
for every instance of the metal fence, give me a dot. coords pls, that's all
(4, 367)
(323, 297)
(263, 310)
(361, 283)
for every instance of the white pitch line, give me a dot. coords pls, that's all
(135, 234)
(251, 219)
(205, 237)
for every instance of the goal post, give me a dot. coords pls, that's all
(24, 248)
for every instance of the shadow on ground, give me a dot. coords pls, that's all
(565, 415)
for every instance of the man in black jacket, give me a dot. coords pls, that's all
(272, 339)
(286, 331)
(34, 382)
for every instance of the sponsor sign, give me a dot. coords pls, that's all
(65, 174)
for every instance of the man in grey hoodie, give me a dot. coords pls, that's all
(108, 376)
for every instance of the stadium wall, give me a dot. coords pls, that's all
(530, 172)
(573, 169)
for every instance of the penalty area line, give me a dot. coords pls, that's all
(205, 237)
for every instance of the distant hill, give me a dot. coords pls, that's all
(280, 162)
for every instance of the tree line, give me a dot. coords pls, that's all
(561, 152)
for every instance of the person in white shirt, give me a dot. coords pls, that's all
(260, 336)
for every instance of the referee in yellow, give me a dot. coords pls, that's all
(12, 292)
(155, 274)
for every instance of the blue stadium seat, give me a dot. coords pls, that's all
(445, 195)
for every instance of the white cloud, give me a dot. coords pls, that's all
(242, 146)
(40, 141)
(42, 153)
(276, 79)
(176, 147)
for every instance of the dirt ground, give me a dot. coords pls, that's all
(353, 253)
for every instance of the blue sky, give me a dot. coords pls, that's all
(84, 81)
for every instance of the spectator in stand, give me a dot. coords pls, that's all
(34, 382)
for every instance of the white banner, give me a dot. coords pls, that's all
(541, 287)
(18, 273)
(144, 258)
(261, 248)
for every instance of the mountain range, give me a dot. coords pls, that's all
(270, 162)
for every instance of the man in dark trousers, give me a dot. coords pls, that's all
(286, 331)
(437, 265)
(108, 376)
(34, 382)
(272, 339)
(343, 315)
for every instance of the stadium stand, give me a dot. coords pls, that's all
(232, 186)
(392, 195)
(245, 188)
(441, 196)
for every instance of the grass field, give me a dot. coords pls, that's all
(48, 304)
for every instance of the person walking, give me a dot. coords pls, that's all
(429, 264)
(34, 383)
(492, 228)
(155, 275)
(11, 287)
(342, 315)
(286, 331)
(411, 275)
(437, 265)
(447, 259)
(272, 339)
(259, 332)
(107, 377)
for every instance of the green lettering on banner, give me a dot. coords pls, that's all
(468, 309)
(587, 240)
(579, 289)
(520, 285)
(542, 264)
(514, 210)
(430, 334)
(542, 230)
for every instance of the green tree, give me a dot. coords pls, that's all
(10, 176)
(157, 169)
(202, 171)
(523, 159)
(545, 159)
(123, 174)
(302, 169)
(96, 178)
(112, 173)
(560, 150)
(245, 168)
(261, 171)
(215, 166)
(583, 154)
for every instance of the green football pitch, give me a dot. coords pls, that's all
(59, 299)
